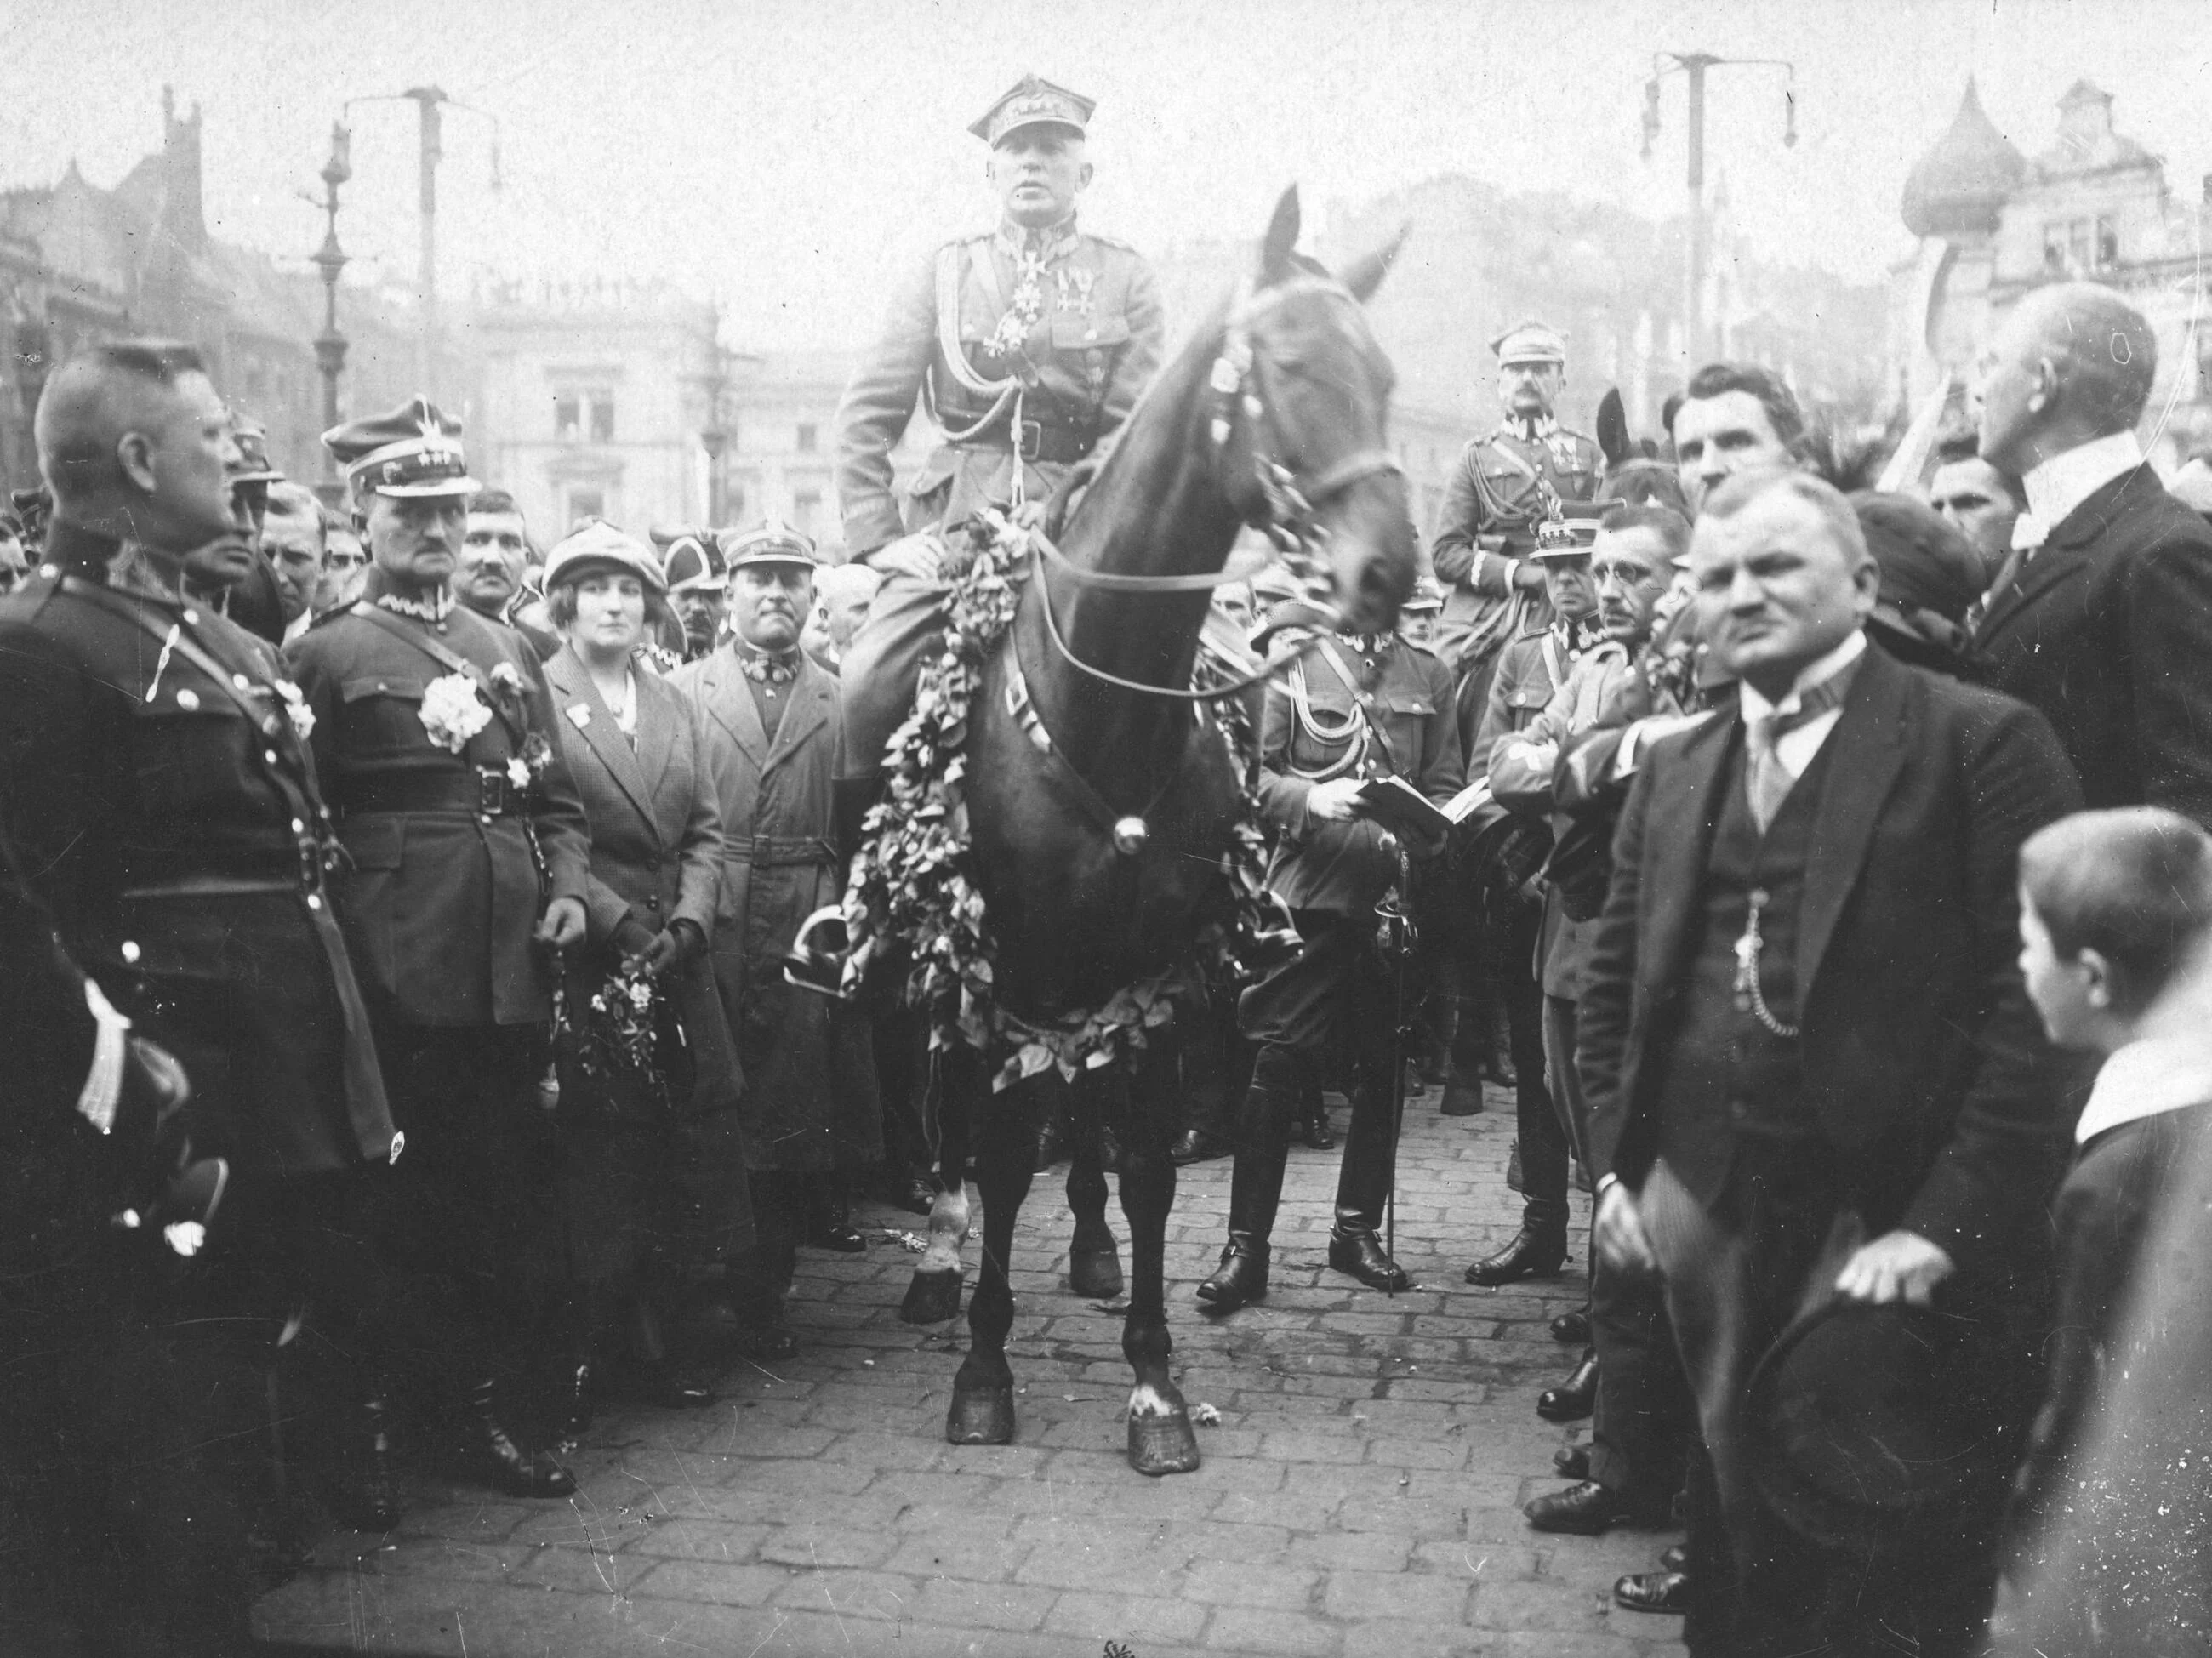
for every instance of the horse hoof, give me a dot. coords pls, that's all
(931, 1298)
(1096, 1272)
(982, 1416)
(1163, 1444)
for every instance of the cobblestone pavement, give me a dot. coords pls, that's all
(1360, 1496)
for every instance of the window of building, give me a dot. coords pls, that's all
(806, 437)
(2108, 243)
(2079, 253)
(602, 417)
(585, 503)
(566, 424)
(585, 411)
(805, 508)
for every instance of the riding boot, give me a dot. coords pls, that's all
(1255, 1184)
(1363, 1187)
(513, 1470)
(1313, 1119)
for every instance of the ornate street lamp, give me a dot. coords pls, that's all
(330, 344)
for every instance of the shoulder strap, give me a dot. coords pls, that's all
(1375, 728)
(443, 654)
(182, 643)
(949, 349)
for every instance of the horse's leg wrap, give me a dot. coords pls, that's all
(1160, 1437)
(1094, 1258)
(933, 1295)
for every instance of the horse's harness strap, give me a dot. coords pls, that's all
(1203, 582)
(1267, 670)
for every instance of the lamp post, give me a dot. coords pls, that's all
(330, 344)
(1693, 66)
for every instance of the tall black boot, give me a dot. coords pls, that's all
(513, 1470)
(1255, 1185)
(1362, 1186)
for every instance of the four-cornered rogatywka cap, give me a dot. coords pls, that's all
(413, 451)
(1033, 102)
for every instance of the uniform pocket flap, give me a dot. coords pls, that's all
(391, 684)
(1402, 704)
(375, 842)
(1080, 333)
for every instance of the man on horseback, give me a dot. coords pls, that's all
(1027, 347)
(1360, 707)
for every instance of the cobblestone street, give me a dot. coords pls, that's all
(1359, 1496)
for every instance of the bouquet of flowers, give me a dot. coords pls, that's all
(615, 1038)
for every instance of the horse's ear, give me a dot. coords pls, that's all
(1613, 428)
(1365, 275)
(1282, 237)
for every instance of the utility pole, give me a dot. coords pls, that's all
(429, 99)
(1693, 66)
(330, 344)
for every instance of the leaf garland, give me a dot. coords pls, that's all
(910, 880)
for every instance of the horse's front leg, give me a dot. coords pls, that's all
(983, 1390)
(1160, 1437)
(933, 1295)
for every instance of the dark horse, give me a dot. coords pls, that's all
(1273, 414)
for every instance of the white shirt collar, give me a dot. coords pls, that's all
(2145, 1080)
(2065, 482)
(1755, 706)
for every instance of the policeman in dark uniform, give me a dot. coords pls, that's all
(1507, 483)
(156, 784)
(1356, 707)
(1027, 347)
(467, 853)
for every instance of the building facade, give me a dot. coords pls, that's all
(1993, 224)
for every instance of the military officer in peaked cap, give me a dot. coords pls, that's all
(1026, 346)
(467, 859)
(157, 785)
(1503, 488)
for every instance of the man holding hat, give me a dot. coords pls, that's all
(1027, 346)
(468, 858)
(1507, 483)
(772, 729)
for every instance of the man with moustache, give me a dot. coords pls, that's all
(1812, 1071)
(156, 786)
(1027, 347)
(2104, 622)
(698, 582)
(466, 861)
(772, 728)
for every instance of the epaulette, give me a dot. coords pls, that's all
(1108, 241)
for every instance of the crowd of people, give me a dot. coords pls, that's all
(396, 913)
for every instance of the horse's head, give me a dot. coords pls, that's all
(1302, 395)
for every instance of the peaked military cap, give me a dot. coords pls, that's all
(1530, 342)
(595, 546)
(252, 438)
(1428, 595)
(772, 542)
(414, 450)
(694, 561)
(1032, 102)
(1566, 537)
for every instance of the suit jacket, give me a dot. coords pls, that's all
(1091, 347)
(2107, 632)
(441, 900)
(656, 849)
(1923, 1063)
(811, 1101)
(168, 820)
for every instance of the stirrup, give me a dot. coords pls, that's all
(820, 968)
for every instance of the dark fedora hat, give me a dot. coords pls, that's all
(1868, 1426)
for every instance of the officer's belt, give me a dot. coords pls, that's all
(482, 792)
(1052, 446)
(770, 851)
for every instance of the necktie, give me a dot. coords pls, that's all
(1767, 779)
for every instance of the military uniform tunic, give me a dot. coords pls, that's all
(154, 783)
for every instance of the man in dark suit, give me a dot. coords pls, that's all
(1811, 1066)
(2103, 620)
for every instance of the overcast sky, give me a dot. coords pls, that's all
(791, 154)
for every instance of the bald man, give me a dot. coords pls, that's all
(157, 785)
(2103, 622)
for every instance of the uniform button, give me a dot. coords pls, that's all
(653, 903)
(130, 950)
(240, 681)
(298, 827)
(188, 700)
(269, 755)
(192, 617)
(313, 902)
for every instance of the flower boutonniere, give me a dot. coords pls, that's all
(525, 770)
(580, 714)
(453, 712)
(303, 717)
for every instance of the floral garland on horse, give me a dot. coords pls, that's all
(910, 880)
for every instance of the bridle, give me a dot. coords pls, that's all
(1282, 505)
